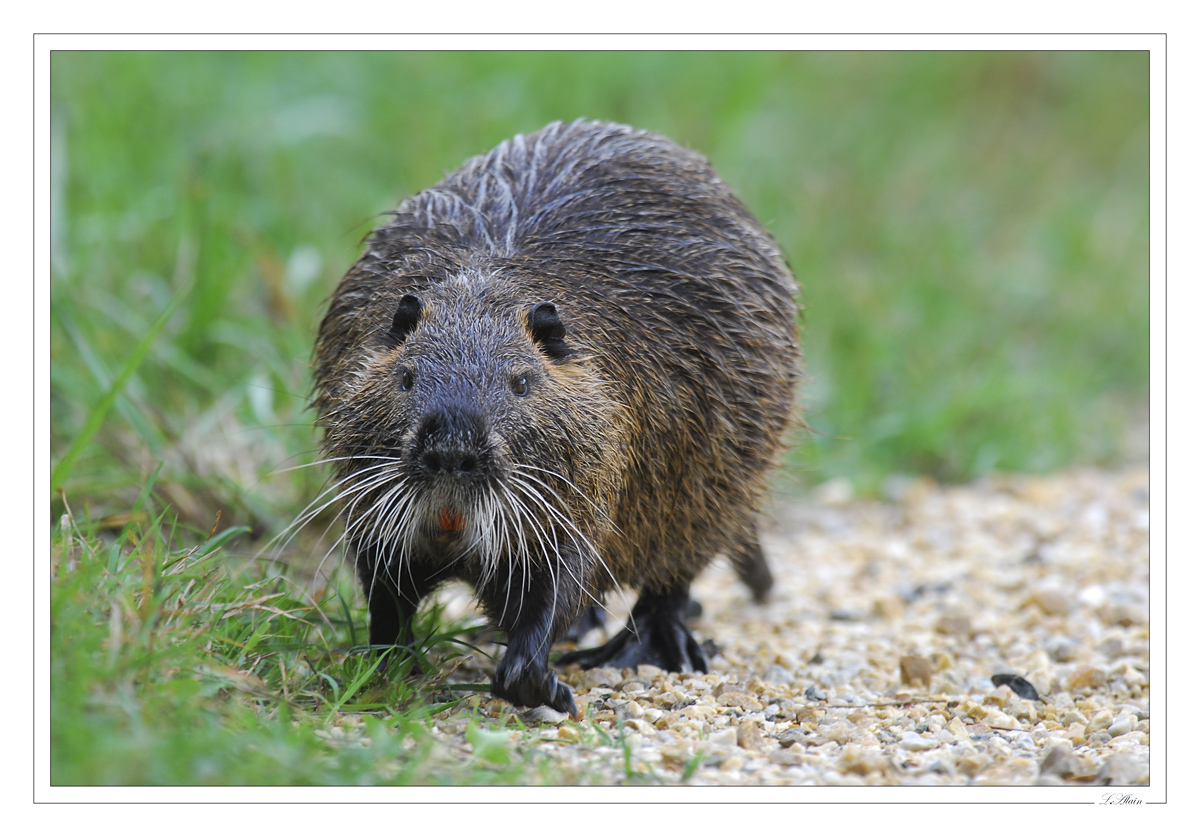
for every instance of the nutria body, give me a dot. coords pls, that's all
(568, 366)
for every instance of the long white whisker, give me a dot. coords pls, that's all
(580, 541)
(316, 507)
(583, 541)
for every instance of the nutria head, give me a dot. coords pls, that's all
(473, 432)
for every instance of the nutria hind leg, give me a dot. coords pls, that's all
(751, 567)
(656, 634)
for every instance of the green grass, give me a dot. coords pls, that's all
(971, 232)
(174, 665)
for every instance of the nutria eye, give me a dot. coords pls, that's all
(520, 385)
(406, 380)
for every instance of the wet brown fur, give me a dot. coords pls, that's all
(671, 407)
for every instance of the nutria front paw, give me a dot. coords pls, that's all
(523, 683)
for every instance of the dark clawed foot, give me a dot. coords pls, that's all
(523, 683)
(659, 639)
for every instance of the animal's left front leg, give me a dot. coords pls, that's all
(524, 676)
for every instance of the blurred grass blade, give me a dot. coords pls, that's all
(101, 408)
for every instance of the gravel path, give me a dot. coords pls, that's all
(873, 662)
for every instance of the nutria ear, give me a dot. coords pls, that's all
(407, 315)
(548, 331)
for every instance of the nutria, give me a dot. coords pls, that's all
(568, 366)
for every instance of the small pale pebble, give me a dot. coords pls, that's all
(594, 678)
(542, 715)
(1061, 761)
(1125, 614)
(956, 728)
(915, 671)
(998, 696)
(732, 763)
(791, 736)
(1124, 742)
(1051, 601)
(973, 762)
(1122, 769)
(698, 712)
(842, 732)
(787, 757)
(632, 686)
(1063, 649)
(997, 719)
(808, 714)
(1073, 716)
(649, 673)
(741, 700)
(973, 710)
(862, 760)
(749, 736)
(1024, 742)
(1086, 677)
(1123, 723)
(915, 741)
(787, 660)
(632, 709)
(641, 726)
(676, 756)
(953, 626)
(725, 738)
(1100, 721)
(888, 608)
(1022, 710)
(777, 675)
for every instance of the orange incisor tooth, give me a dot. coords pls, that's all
(451, 520)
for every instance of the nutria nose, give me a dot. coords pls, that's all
(449, 442)
(442, 461)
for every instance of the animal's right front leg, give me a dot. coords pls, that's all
(392, 600)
